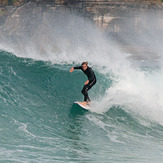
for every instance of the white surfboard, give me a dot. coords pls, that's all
(87, 107)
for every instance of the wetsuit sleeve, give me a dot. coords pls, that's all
(78, 67)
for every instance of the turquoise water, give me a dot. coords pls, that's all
(40, 123)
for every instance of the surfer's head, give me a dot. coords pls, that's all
(84, 65)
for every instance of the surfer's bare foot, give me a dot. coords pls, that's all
(84, 103)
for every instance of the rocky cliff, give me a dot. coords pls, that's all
(101, 11)
(86, 2)
(107, 14)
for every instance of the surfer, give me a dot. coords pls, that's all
(89, 83)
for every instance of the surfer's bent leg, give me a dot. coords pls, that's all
(84, 92)
(86, 88)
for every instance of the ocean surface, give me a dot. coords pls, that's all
(39, 121)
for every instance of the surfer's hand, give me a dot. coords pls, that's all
(86, 82)
(72, 69)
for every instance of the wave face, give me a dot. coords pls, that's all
(40, 123)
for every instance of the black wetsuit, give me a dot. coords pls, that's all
(92, 81)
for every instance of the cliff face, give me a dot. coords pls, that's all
(85, 3)
(107, 14)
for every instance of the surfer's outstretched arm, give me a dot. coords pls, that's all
(78, 67)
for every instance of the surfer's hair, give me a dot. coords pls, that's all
(84, 63)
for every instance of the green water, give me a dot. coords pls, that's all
(40, 123)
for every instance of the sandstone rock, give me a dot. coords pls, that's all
(103, 12)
